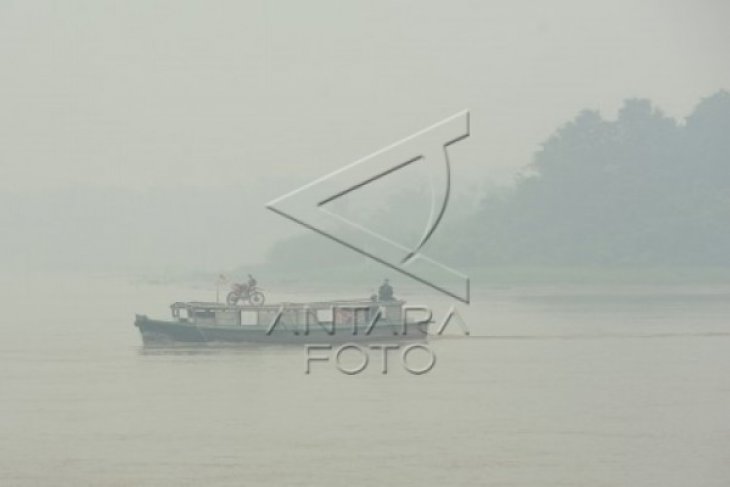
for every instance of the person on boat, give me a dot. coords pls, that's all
(251, 282)
(385, 291)
(245, 289)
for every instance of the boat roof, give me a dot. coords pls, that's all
(276, 306)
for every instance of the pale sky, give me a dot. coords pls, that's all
(212, 94)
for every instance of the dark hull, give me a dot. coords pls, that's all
(156, 332)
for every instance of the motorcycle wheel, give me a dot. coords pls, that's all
(232, 298)
(257, 298)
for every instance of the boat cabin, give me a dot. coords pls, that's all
(328, 314)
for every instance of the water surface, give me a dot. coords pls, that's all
(568, 387)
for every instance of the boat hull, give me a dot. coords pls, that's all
(159, 332)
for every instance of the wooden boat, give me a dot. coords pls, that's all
(364, 320)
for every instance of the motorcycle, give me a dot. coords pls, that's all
(250, 293)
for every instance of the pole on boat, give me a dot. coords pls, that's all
(221, 280)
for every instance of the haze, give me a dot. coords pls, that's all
(250, 99)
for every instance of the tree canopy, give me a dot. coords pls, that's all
(641, 190)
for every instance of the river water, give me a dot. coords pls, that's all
(554, 386)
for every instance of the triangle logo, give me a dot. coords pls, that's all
(308, 205)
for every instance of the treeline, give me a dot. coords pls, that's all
(641, 190)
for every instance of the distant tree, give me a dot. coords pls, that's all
(642, 190)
